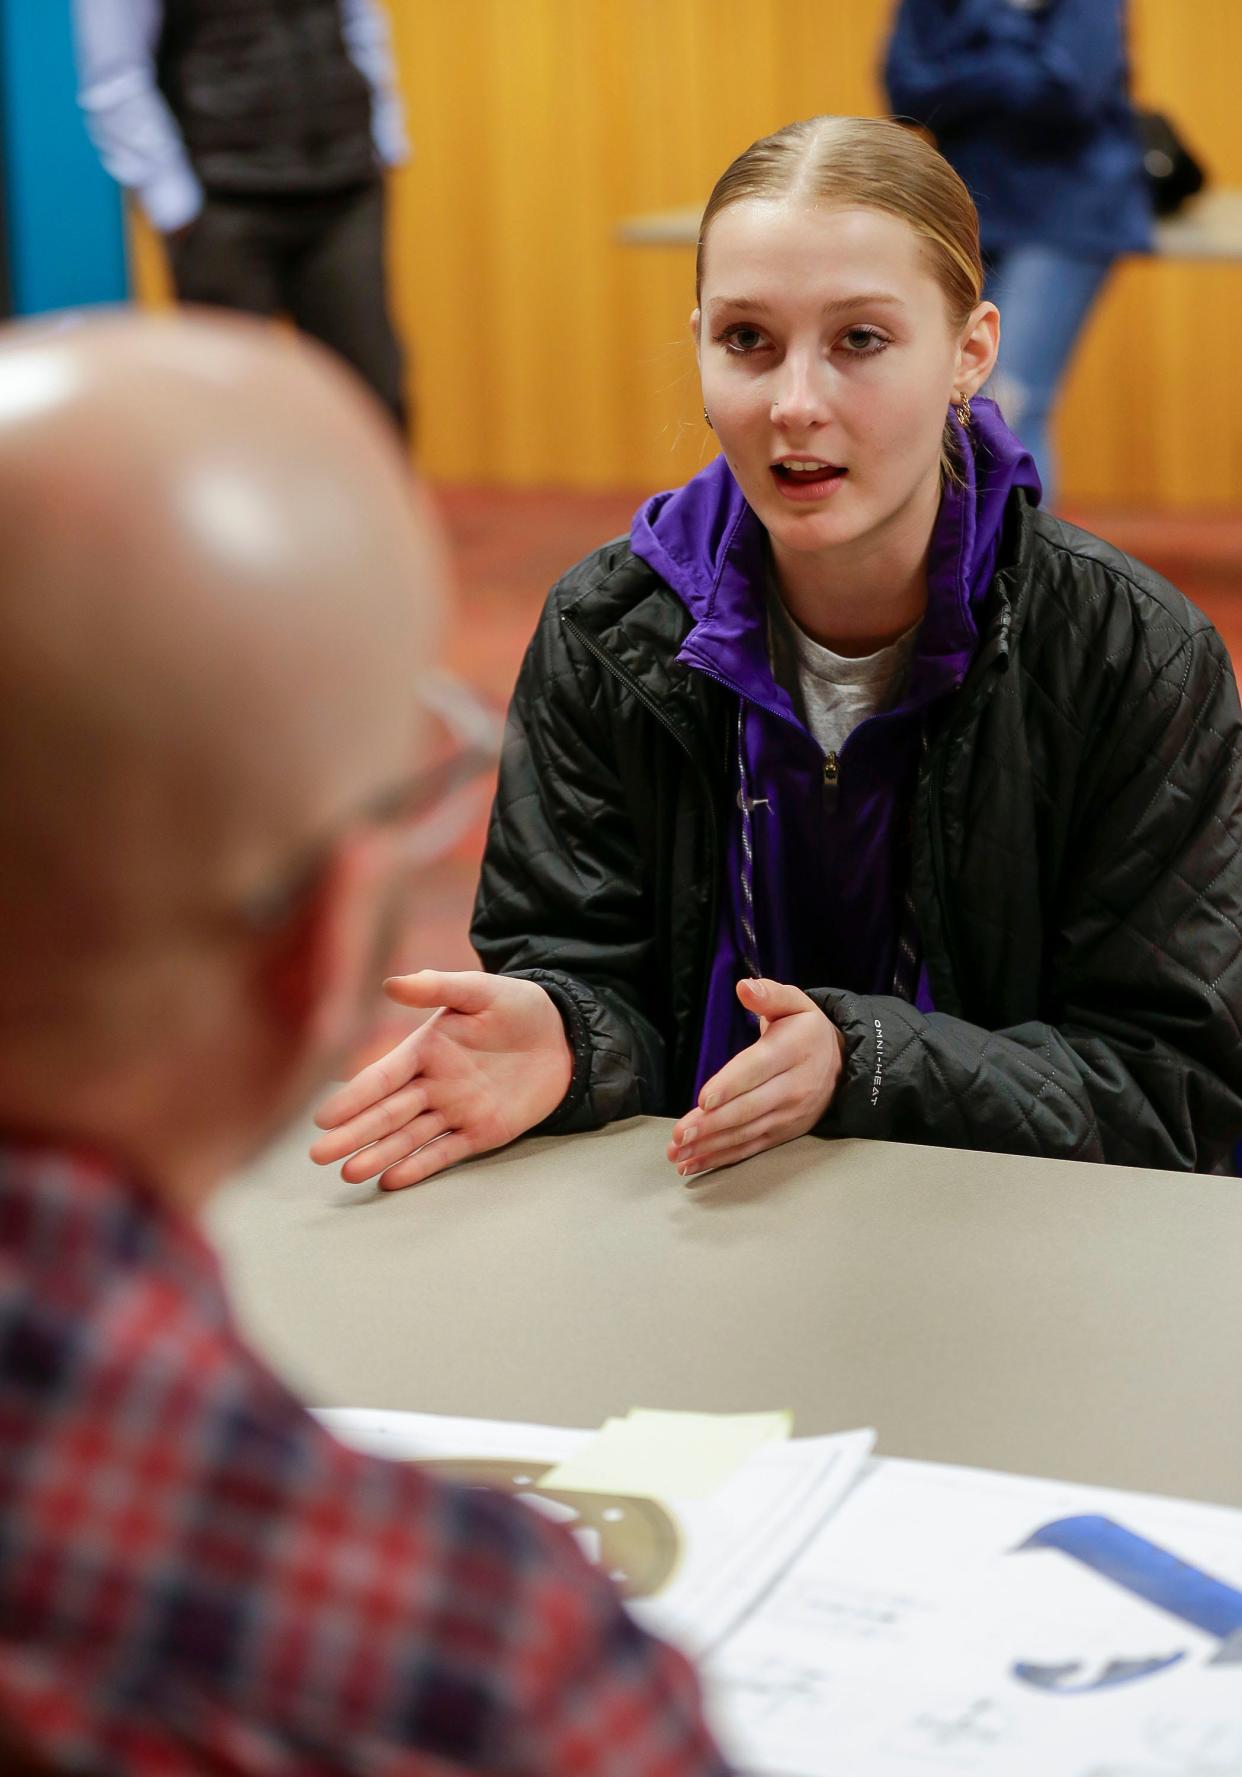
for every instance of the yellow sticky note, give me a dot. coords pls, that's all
(660, 1455)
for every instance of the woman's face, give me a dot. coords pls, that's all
(828, 362)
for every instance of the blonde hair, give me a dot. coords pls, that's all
(866, 163)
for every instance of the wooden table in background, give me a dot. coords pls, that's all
(1208, 227)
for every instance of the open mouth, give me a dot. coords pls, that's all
(807, 475)
(805, 470)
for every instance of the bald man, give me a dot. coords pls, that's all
(219, 594)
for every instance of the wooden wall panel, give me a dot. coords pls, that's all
(1153, 409)
(547, 353)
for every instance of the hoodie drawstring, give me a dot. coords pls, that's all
(909, 958)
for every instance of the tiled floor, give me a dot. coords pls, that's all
(510, 547)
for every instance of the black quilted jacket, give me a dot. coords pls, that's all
(1076, 870)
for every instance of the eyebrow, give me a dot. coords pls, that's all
(755, 305)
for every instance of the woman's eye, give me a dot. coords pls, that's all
(864, 342)
(741, 339)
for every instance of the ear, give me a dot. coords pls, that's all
(977, 348)
(696, 323)
(313, 974)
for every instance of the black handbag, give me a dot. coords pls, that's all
(1171, 170)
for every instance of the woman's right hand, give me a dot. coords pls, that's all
(491, 1062)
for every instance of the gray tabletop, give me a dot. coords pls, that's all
(1053, 1319)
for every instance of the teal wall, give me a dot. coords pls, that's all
(65, 235)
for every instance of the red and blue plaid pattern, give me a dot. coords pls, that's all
(194, 1576)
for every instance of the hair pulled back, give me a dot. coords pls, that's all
(864, 163)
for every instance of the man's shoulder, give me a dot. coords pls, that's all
(118, 1349)
(246, 1546)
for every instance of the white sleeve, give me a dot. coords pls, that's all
(126, 114)
(364, 27)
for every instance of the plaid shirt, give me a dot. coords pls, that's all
(194, 1576)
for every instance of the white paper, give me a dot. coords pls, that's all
(916, 1635)
(727, 1549)
(902, 1624)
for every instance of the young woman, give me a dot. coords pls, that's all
(850, 793)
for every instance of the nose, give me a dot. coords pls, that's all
(800, 397)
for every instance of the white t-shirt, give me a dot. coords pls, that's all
(833, 693)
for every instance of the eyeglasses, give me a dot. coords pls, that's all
(434, 806)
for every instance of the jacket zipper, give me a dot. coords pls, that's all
(832, 781)
(649, 703)
(830, 773)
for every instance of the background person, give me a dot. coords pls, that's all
(851, 793)
(255, 137)
(1031, 105)
(220, 598)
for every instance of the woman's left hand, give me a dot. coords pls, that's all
(777, 1089)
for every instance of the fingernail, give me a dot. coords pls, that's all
(682, 1171)
(687, 1153)
(689, 1133)
(711, 1101)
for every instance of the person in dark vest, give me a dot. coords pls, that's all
(255, 135)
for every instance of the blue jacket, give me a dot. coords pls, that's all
(1029, 101)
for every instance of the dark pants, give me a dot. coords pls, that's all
(318, 259)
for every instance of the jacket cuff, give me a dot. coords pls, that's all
(876, 1028)
(560, 990)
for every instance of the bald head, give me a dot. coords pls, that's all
(219, 591)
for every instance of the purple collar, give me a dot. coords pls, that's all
(707, 544)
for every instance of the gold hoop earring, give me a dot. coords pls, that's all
(962, 410)
(708, 418)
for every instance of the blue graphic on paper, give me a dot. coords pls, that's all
(1148, 1572)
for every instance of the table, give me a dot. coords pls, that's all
(1040, 1316)
(1207, 227)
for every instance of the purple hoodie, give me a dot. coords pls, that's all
(829, 880)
